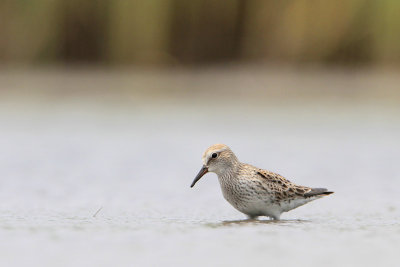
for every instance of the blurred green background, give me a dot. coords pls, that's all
(195, 32)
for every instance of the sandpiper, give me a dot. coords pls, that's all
(253, 191)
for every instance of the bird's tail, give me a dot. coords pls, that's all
(318, 192)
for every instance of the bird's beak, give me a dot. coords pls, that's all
(202, 171)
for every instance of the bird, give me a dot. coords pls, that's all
(254, 191)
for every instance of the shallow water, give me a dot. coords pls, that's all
(131, 167)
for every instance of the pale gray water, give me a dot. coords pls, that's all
(62, 161)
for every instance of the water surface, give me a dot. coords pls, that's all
(62, 161)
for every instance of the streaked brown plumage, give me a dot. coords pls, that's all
(254, 191)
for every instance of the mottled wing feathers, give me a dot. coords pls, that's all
(282, 188)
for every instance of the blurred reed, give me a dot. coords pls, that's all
(199, 31)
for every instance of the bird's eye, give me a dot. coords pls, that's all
(214, 155)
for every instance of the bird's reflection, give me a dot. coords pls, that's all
(247, 222)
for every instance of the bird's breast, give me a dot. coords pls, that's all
(243, 193)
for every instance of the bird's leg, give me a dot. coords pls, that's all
(274, 218)
(252, 217)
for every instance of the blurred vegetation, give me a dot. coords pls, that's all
(199, 31)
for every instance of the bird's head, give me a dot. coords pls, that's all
(217, 158)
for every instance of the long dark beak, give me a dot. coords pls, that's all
(202, 171)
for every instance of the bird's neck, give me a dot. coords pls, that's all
(230, 172)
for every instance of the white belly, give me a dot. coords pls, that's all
(274, 210)
(260, 208)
